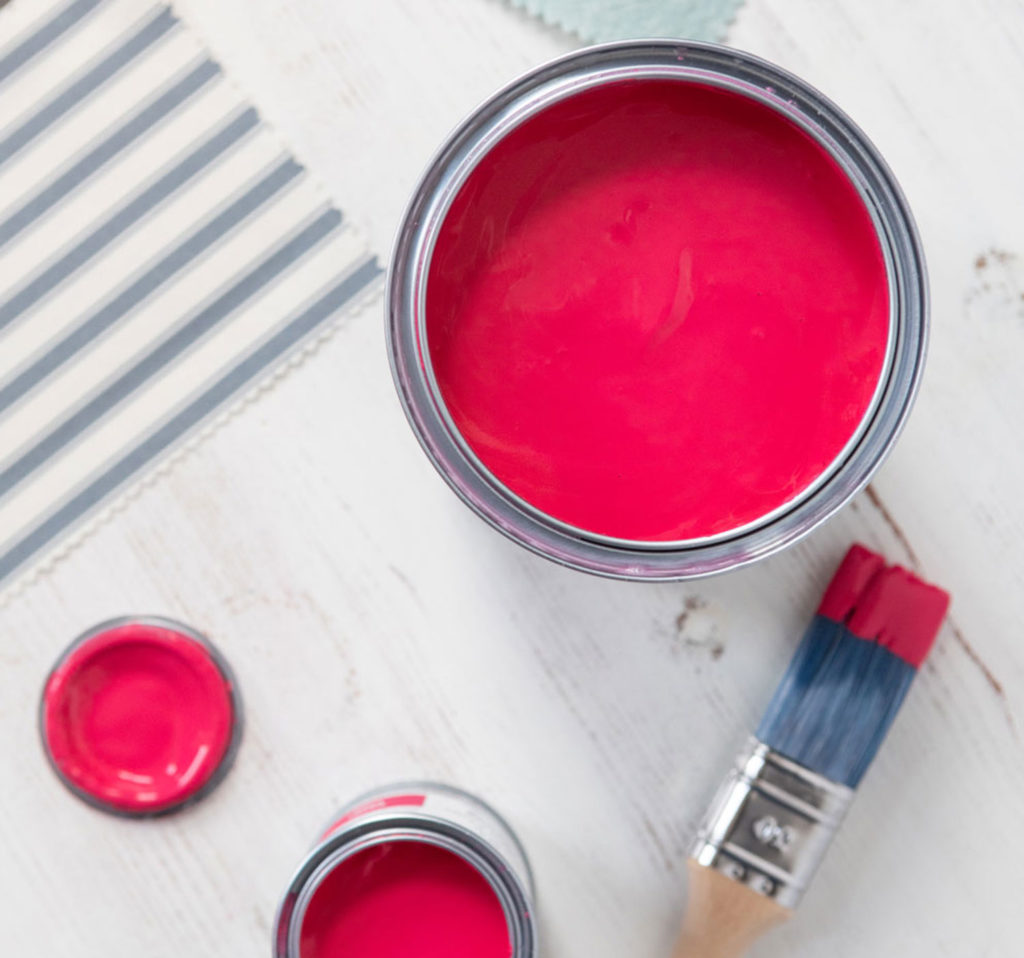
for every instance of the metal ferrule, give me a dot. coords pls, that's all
(770, 823)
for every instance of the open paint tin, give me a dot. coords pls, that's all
(411, 869)
(657, 310)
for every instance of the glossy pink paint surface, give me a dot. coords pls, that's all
(658, 311)
(138, 717)
(402, 899)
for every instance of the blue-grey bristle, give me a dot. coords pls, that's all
(836, 702)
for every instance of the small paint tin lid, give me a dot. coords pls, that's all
(140, 716)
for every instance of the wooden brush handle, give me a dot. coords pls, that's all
(723, 917)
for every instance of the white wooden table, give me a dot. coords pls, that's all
(380, 631)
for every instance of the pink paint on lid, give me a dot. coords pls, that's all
(140, 716)
(658, 311)
(398, 899)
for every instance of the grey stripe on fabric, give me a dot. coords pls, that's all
(122, 137)
(178, 425)
(170, 264)
(45, 35)
(51, 112)
(54, 274)
(165, 353)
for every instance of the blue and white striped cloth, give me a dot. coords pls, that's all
(159, 253)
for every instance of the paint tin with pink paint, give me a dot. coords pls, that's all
(657, 309)
(413, 868)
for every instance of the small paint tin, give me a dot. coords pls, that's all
(422, 815)
(140, 716)
(901, 304)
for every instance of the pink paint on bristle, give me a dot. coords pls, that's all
(901, 612)
(855, 572)
(890, 606)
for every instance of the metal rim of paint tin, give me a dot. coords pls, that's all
(707, 64)
(230, 685)
(511, 886)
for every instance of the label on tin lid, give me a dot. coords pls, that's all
(448, 805)
(374, 805)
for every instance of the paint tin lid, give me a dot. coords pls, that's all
(140, 716)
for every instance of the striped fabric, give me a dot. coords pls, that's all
(159, 253)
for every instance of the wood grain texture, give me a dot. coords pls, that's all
(380, 631)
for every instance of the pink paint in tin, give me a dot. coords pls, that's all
(657, 309)
(417, 869)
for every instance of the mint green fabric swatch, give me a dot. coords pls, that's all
(597, 21)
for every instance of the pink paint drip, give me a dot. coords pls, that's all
(658, 311)
(404, 899)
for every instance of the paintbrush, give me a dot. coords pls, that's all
(767, 829)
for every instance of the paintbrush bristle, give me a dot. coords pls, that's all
(852, 670)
